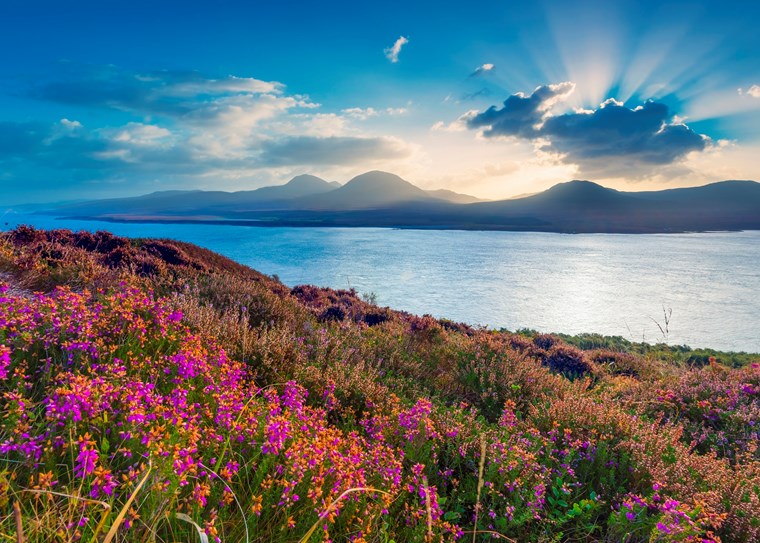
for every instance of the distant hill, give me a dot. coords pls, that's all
(369, 190)
(454, 197)
(384, 199)
(584, 206)
(197, 202)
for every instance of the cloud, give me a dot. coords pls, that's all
(753, 91)
(392, 52)
(164, 93)
(332, 150)
(482, 70)
(521, 115)
(601, 140)
(360, 113)
(141, 134)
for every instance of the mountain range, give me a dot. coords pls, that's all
(386, 200)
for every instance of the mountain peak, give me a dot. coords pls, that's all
(306, 180)
(578, 184)
(374, 189)
(376, 177)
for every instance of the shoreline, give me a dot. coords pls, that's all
(263, 223)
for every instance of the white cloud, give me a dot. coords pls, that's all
(391, 53)
(460, 125)
(230, 84)
(70, 125)
(141, 134)
(360, 113)
(753, 91)
(482, 70)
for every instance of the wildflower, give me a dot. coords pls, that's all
(87, 457)
(5, 361)
(175, 317)
(257, 506)
(201, 492)
(104, 483)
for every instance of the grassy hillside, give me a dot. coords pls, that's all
(151, 390)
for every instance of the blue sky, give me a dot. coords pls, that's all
(491, 98)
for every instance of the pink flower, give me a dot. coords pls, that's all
(5, 361)
(86, 461)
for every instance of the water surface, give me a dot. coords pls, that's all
(610, 284)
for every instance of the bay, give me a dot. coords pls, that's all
(610, 284)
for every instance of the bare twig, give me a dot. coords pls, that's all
(480, 484)
(19, 524)
(333, 505)
(120, 517)
(428, 509)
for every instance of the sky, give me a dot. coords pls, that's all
(492, 98)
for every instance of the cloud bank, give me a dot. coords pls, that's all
(599, 141)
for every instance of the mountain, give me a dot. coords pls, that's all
(454, 197)
(198, 202)
(299, 186)
(369, 190)
(584, 206)
(386, 200)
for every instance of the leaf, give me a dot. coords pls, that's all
(201, 533)
(120, 517)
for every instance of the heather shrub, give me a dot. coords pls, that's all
(568, 361)
(216, 395)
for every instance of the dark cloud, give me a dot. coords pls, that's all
(644, 136)
(613, 129)
(331, 150)
(520, 115)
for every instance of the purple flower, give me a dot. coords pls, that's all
(175, 317)
(86, 460)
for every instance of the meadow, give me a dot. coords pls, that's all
(151, 390)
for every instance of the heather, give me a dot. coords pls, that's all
(154, 391)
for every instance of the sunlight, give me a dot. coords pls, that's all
(590, 59)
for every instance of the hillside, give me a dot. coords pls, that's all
(386, 200)
(204, 203)
(152, 383)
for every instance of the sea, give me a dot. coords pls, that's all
(696, 289)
